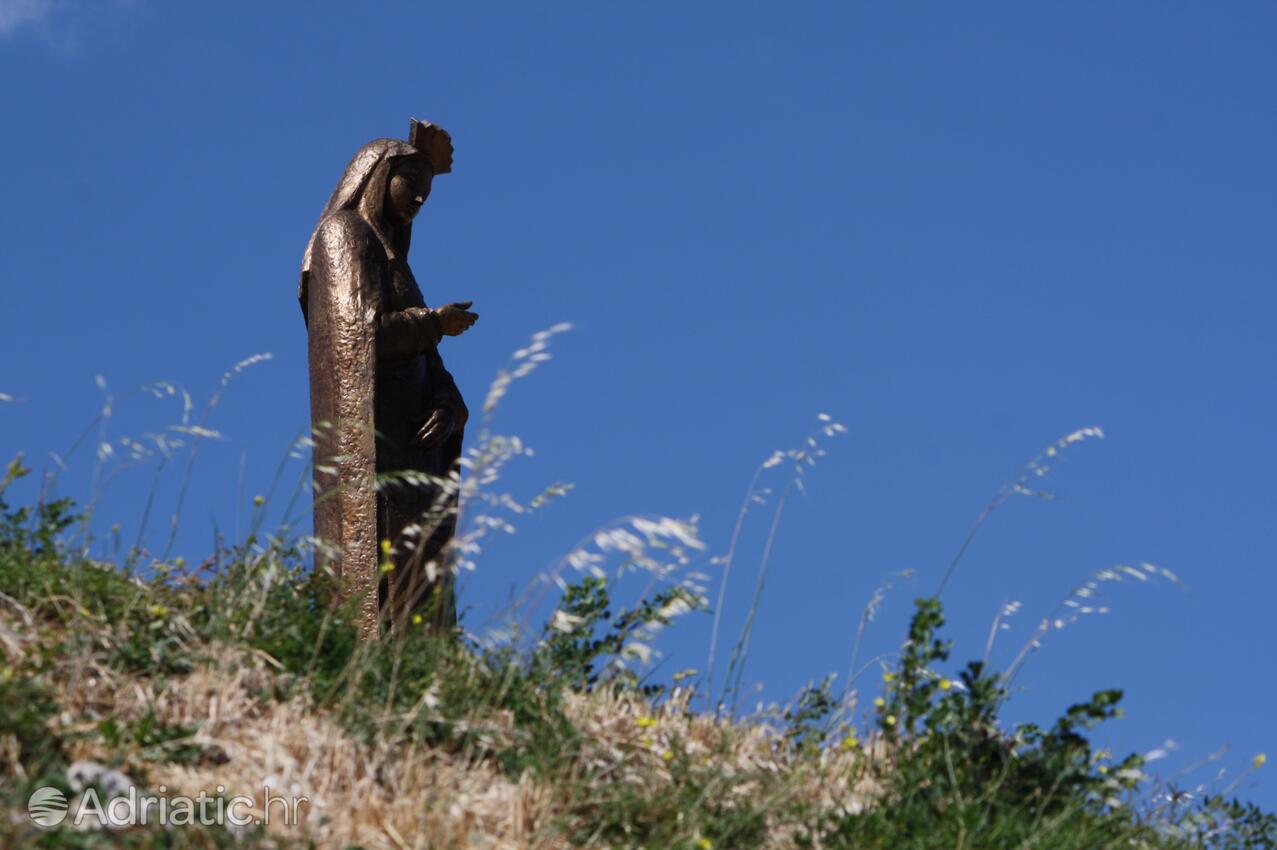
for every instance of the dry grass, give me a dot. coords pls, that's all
(387, 796)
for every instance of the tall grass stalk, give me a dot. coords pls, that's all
(1039, 467)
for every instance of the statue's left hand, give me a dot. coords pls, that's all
(437, 429)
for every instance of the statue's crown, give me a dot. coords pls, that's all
(434, 142)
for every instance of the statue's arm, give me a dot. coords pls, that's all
(354, 257)
(403, 334)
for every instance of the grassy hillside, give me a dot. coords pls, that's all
(235, 675)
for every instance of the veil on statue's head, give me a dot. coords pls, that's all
(363, 185)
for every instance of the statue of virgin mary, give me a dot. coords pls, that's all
(388, 418)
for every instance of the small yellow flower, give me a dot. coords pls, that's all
(385, 547)
(945, 684)
(646, 722)
(85, 612)
(888, 677)
(259, 500)
(1103, 769)
(890, 720)
(1259, 760)
(850, 743)
(417, 619)
(7, 674)
(704, 844)
(159, 612)
(388, 567)
(668, 755)
(647, 741)
(879, 702)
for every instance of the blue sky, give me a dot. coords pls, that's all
(964, 230)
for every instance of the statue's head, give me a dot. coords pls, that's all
(387, 181)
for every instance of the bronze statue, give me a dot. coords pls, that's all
(387, 417)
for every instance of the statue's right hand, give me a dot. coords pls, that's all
(455, 319)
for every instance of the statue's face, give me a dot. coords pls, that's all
(408, 190)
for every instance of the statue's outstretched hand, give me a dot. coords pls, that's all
(456, 319)
(437, 429)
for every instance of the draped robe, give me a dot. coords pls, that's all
(375, 377)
